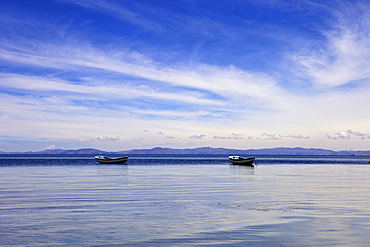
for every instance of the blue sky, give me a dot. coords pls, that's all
(119, 75)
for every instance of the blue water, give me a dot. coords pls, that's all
(47, 160)
(184, 200)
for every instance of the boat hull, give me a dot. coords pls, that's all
(243, 161)
(106, 160)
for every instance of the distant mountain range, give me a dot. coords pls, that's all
(203, 150)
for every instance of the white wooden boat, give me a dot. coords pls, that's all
(106, 160)
(237, 160)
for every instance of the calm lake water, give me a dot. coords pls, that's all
(184, 201)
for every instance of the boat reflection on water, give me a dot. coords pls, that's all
(246, 172)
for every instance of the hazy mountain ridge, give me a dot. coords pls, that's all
(203, 150)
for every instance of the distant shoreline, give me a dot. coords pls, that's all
(204, 150)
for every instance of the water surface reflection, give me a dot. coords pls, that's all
(182, 205)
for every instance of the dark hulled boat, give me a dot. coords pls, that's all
(106, 160)
(237, 160)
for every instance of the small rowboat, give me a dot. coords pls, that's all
(106, 160)
(237, 160)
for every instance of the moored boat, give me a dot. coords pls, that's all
(106, 160)
(237, 160)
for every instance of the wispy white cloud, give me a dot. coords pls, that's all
(338, 135)
(118, 11)
(345, 57)
(200, 86)
(294, 136)
(347, 135)
(219, 80)
(274, 137)
(201, 136)
(107, 138)
(50, 147)
(268, 136)
(91, 91)
(355, 133)
(232, 136)
(83, 139)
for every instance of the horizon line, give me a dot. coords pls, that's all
(159, 147)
